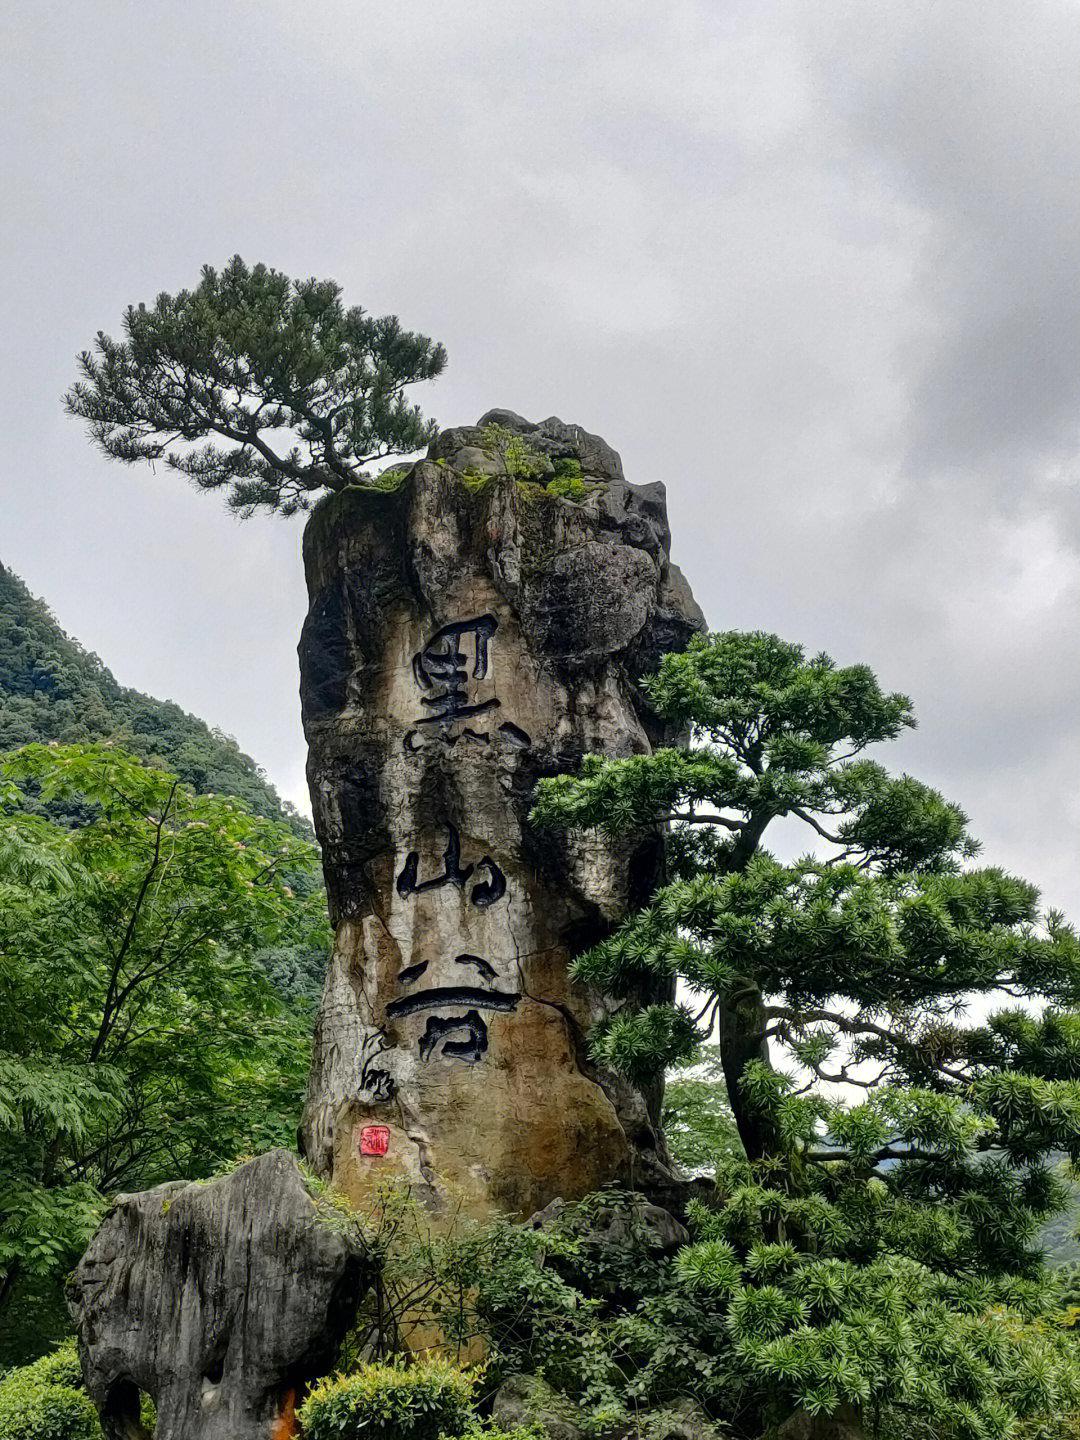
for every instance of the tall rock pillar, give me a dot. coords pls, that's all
(468, 633)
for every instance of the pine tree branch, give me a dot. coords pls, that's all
(808, 819)
(876, 1157)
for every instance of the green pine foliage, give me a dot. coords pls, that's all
(890, 1149)
(266, 388)
(140, 1040)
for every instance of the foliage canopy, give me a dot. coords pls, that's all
(265, 387)
(46, 1400)
(844, 973)
(139, 1039)
(745, 1326)
(51, 689)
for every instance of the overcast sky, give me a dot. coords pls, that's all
(817, 267)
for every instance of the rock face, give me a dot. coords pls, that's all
(844, 1425)
(527, 1400)
(467, 634)
(219, 1300)
(640, 1222)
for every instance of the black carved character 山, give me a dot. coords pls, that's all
(484, 893)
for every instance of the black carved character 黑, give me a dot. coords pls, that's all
(441, 669)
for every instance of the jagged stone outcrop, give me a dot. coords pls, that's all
(640, 1223)
(219, 1299)
(468, 634)
(527, 1400)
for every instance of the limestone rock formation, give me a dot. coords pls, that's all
(843, 1425)
(468, 633)
(524, 1400)
(639, 1223)
(220, 1300)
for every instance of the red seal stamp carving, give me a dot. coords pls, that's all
(374, 1139)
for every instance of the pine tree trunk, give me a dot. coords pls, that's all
(742, 1039)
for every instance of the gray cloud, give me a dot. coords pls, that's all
(812, 266)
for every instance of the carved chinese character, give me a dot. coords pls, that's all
(483, 893)
(441, 668)
(374, 1139)
(461, 1037)
(450, 733)
(376, 1084)
(449, 997)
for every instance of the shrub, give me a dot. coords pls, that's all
(570, 487)
(491, 1430)
(519, 457)
(391, 1402)
(568, 469)
(60, 1367)
(42, 1402)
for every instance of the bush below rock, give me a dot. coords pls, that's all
(390, 1402)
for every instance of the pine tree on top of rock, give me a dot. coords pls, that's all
(259, 385)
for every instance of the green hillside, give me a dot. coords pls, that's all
(53, 689)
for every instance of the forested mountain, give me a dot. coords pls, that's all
(53, 689)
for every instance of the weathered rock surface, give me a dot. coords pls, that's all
(640, 1222)
(466, 636)
(844, 1425)
(681, 1419)
(527, 1400)
(220, 1300)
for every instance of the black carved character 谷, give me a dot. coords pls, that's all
(468, 1029)
(450, 997)
(459, 1037)
(483, 968)
(441, 668)
(483, 893)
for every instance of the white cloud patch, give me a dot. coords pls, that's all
(814, 266)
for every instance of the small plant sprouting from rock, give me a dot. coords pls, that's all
(476, 481)
(389, 480)
(519, 457)
(537, 475)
